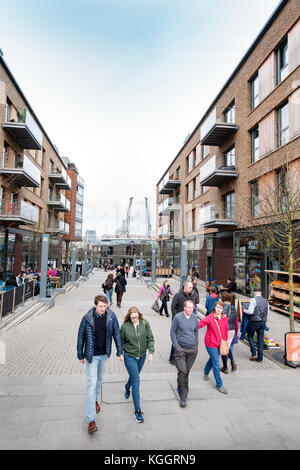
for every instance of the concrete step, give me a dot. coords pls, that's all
(29, 312)
(19, 312)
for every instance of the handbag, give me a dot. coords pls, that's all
(224, 346)
(155, 306)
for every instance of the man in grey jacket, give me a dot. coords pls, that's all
(185, 340)
(258, 312)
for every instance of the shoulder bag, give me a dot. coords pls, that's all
(224, 346)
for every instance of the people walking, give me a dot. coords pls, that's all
(211, 300)
(217, 329)
(258, 312)
(108, 288)
(164, 296)
(185, 339)
(127, 271)
(231, 313)
(120, 288)
(96, 331)
(177, 306)
(137, 338)
(195, 294)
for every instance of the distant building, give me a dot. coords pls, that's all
(90, 237)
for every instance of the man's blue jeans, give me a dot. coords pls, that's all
(213, 363)
(95, 371)
(134, 367)
(109, 294)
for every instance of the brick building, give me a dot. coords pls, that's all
(209, 192)
(33, 181)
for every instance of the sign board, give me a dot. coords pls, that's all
(242, 305)
(292, 349)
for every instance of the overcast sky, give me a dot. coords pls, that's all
(119, 84)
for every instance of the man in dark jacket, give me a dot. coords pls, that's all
(120, 288)
(177, 306)
(97, 328)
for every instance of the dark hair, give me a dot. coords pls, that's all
(227, 297)
(213, 290)
(101, 298)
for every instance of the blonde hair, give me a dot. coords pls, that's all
(130, 311)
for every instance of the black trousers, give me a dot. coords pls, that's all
(119, 297)
(184, 358)
(164, 306)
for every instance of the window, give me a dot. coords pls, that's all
(254, 92)
(229, 114)
(4, 155)
(194, 158)
(283, 189)
(51, 167)
(193, 220)
(229, 157)
(178, 173)
(254, 199)
(187, 193)
(283, 125)
(282, 62)
(229, 205)
(254, 145)
(187, 165)
(194, 188)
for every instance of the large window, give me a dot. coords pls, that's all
(229, 157)
(194, 158)
(229, 114)
(282, 62)
(254, 92)
(229, 205)
(283, 125)
(187, 165)
(255, 145)
(194, 188)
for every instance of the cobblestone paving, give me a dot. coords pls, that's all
(46, 344)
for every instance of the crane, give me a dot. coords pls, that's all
(148, 223)
(128, 218)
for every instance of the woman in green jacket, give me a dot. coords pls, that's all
(136, 338)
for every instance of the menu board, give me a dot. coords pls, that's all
(292, 349)
(242, 305)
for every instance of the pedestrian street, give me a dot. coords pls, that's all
(43, 389)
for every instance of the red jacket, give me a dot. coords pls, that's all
(212, 337)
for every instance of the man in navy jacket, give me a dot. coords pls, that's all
(96, 330)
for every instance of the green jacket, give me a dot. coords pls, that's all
(136, 341)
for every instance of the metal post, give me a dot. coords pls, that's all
(73, 271)
(92, 262)
(183, 267)
(153, 264)
(84, 273)
(14, 300)
(141, 265)
(1, 312)
(134, 262)
(23, 296)
(44, 266)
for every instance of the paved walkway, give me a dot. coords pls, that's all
(42, 390)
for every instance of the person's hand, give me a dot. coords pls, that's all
(121, 358)
(82, 361)
(150, 357)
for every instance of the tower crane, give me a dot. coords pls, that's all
(148, 223)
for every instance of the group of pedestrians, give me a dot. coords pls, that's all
(100, 325)
(120, 286)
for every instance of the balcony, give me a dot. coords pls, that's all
(59, 227)
(167, 206)
(25, 131)
(215, 131)
(218, 215)
(80, 181)
(218, 170)
(21, 170)
(166, 232)
(168, 185)
(19, 213)
(59, 203)
(61, 179)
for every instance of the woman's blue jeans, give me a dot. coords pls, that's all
(109, 294)
(134, 367)
(213, 363)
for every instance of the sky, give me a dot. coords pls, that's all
(119, 84)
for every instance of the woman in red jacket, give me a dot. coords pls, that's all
(217, 326)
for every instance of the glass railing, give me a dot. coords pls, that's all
(24, 163)
(215, 211)
(20, 209)
(217, 162)
(25, 117)
(212, 119)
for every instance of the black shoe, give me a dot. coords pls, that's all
(127, 394)
(172, 362)
(162, 314)
(167, 315)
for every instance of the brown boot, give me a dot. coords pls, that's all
(92, 427)
(97, 407)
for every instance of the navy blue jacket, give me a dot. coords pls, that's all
(86, 335)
